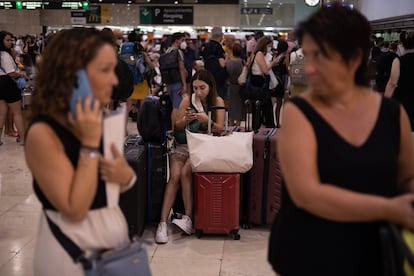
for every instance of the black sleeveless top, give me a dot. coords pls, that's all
(304, 244)
(72, 147)
(405, 87)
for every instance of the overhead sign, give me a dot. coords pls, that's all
(7, 5)
(166, 15)
(78, 17)
(93, 15)
(256, 11)
(32, 5)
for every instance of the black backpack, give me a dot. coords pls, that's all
(151, 121)
(170, 72)
(125, 85)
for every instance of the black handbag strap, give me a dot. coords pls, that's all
(74, 251)
(249, 71)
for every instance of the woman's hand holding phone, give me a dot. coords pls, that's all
(86, 114)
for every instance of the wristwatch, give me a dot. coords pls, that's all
(312, 3)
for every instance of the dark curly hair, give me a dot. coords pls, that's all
(344, 29)
(65, 53)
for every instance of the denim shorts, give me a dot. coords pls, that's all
(174, 90)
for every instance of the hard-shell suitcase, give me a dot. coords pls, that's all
(26, 97)
(142, 204)
(133, 202)
(217, 199)
(244, 178)
(217, 203)
(156, 180)
(264, 179)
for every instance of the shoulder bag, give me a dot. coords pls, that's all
(397, 247)
(228, 152)
(131, 260)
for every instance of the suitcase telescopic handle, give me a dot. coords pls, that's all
(226, 117)
(248, 117)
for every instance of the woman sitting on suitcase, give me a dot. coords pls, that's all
(192, 113)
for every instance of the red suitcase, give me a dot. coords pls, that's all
(265, 178)
(217, 203)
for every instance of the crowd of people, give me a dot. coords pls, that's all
(345, 151)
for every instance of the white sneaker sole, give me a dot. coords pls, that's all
(161, 241)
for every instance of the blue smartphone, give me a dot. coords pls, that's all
(82, 89)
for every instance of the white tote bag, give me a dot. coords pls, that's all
(243, 76)
(232, 153)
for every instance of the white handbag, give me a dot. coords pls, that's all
(243, 76)
(232, 153)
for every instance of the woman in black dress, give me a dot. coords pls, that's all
(345, 154)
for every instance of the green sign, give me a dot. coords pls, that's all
(85, 5)
(166, 15)
(145, 15)
(19, 5)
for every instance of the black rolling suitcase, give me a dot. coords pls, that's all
(156, 180)
(133, 202)
(142, 204)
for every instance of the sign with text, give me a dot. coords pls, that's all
(256, 11)
(166, 15)
(7, 5)
(78, 17)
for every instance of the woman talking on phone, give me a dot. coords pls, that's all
(63, 151)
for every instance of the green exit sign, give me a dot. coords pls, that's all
(85, 5)
(19, 5)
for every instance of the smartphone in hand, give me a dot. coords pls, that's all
(82, 89)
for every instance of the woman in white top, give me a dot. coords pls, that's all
(10, 95)
(259, 81)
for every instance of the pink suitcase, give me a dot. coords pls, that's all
(264, 180)
(217, 203)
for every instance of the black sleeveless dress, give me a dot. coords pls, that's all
(404, 92)
(304, 244)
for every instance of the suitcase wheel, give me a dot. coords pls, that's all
(235, 234)
(245, 224)
(198, 233)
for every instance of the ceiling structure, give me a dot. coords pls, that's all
(209, 2)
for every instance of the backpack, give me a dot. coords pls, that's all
(140, 64)
(212, 64)
(170, 72)
(129, 56)
(297, 71)
(127, 53)
(151, 121)
(125, 85)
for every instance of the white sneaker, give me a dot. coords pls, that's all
(185, 224)
(161, 234)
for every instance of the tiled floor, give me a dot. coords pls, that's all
(182, 256)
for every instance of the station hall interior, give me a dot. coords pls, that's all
(212, 255)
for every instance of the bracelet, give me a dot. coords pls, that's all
(90, 152)
(131, 182)
(90, 148)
